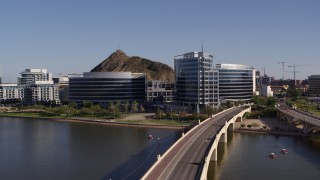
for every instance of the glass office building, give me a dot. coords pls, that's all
(196, 80)
(236, 82)
(314, 85)
(103, 87)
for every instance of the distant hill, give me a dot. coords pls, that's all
(120, 62)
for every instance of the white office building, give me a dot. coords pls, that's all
(266, 90)
(11, 92)
(38, 86)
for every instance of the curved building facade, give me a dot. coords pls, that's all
(103, 87)
(236, 82)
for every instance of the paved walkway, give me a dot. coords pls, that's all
(138, 116)
(271, 123)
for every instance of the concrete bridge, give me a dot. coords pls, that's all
(189, 157)
(310, 123)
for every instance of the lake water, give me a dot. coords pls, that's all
(245, 156)
(41, 149)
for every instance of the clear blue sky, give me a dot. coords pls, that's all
(73, 36)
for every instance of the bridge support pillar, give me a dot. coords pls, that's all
(224, 136)
(214, 156)
(306, 127)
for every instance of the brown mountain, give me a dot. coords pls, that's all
(120, 62)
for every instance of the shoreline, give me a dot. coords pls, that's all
(270, 132)
(105, 122)
(142, 125)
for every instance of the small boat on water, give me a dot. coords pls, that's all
(284, 151)
(150, 136)
(272, 155)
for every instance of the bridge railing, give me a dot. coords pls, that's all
(205, 164)
(303, 112)
(180, 139)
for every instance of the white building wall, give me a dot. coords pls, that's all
(266, 91)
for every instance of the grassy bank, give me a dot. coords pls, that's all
(30, 114)
(45, 115)
(156, 122)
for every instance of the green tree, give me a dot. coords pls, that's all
(242, 125)
(87, 104)
(117, 105)
(125, 106)
(271, 101)
(134, 106)
(141, 108)
(73, 104)
(249, 126)
(159, 113)
(293, 93)
(259, 100)
(230, 104)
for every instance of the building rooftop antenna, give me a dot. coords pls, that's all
(202, 50)
(282, 62)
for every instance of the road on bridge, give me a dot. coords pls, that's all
(300, 115)
(185, 160)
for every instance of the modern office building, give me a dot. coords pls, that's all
(160, 91)
(236, 82)
(38, 87)
(314, 85)
(30, 76)
(103, 87)
(196, 80)
(41, 92)
(10, 92)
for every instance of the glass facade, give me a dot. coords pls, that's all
(236, 82)
(195, 82)
(103, 87)
(314, 85)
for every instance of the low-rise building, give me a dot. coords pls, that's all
(160, 91)
(9, 92)
(104, 87)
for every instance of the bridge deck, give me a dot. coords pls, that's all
(301, 116)
(185, 160)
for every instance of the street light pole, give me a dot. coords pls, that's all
(158, 153)
(171, 116)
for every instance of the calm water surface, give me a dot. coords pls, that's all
(41, 149)
(245, 157)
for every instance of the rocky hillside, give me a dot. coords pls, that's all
(120, 62)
